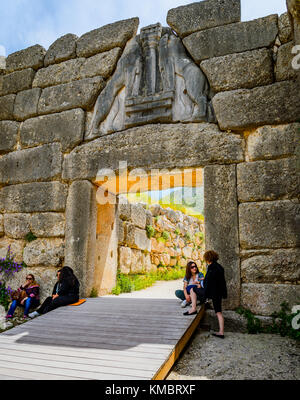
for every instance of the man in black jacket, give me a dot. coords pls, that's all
(215, 287)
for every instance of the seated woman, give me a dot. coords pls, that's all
(193, 278)
(31, 299)
(65, 291)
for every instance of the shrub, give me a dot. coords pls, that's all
(30, 237)
(150, 231)
(94, 292)
(165, 235)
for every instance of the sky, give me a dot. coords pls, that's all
(24, 23)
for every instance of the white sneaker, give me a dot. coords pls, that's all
(34, 314)
(184, 303)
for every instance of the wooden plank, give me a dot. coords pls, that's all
(88, 368)
(33, 375)
(167, 365)
(85, 352)
(68, 373)
(118, 361)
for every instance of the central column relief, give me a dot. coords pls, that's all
(155, 82)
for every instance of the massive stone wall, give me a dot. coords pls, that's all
(249, 155)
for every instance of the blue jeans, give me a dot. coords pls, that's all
(30, 302)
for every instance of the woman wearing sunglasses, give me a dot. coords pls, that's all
(32, 298)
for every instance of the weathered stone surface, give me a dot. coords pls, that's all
(264, 299)
(58, 74)
(33, 197)
(285, 28)
(16, 248)
(82, 93)
(267, 180)
(44, 252)
(249, 108)
(47, 224)
(26, 104)
(107, 37)
(7, 107)
(233, 38)
(37, 164)
(294, 13)
(62, 49)
(8, 135)
(270, 142)
(81, 218)
(284, 69)
(136, 266)
(137, 238)
(66, 127)
(203, 142)
(202, 15)
(270, 224)
(32, 57)
(1, 225)
(16, 226)
(241, 70)
(221, 224)
(2, 65)
(125, 255)
(102, 64)
(280, 266)
(16, 81)
(138, 215)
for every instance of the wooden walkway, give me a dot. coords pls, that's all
(103, 339)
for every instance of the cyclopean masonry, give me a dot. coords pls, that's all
(210, 92)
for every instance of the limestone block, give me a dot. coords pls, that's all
(81, 219)
(77, 94)
(66, 127)
(32, 57)
(124, 211)
(107, 37)
(7, 107)
(264, 299)
(137, 238)
(202, 15)
(146, 262)
(187, 251)
(125, 256)
(8, 135)
(242, 70)
(284, 69)
(285, 28)
(232, 38)
(16, 248)
(155, 209)
(47, 224)
(16, 81)
(62, 49)
(26, 104)
(270, 224)
(203, 142)
(121, 230)
(136, 262)
(102, 64)
(1, 225)
(58, 74)
(249, 108)
(46, 252)
(149, 218)
(280, 266)
(2, 65)
(221, 223)
(33, 197)
(16, 226)
(267, 180)
(273, 141)
(138, 215)
(157, 247)
(39, 163)
(182, 262)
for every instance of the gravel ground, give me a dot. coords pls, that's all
(239, 356)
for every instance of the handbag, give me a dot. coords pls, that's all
(18, 295)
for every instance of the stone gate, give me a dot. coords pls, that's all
(209, 91)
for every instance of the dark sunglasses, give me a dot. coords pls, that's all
(194, 266)
(29, 278)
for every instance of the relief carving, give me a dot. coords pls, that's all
(155, 82)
